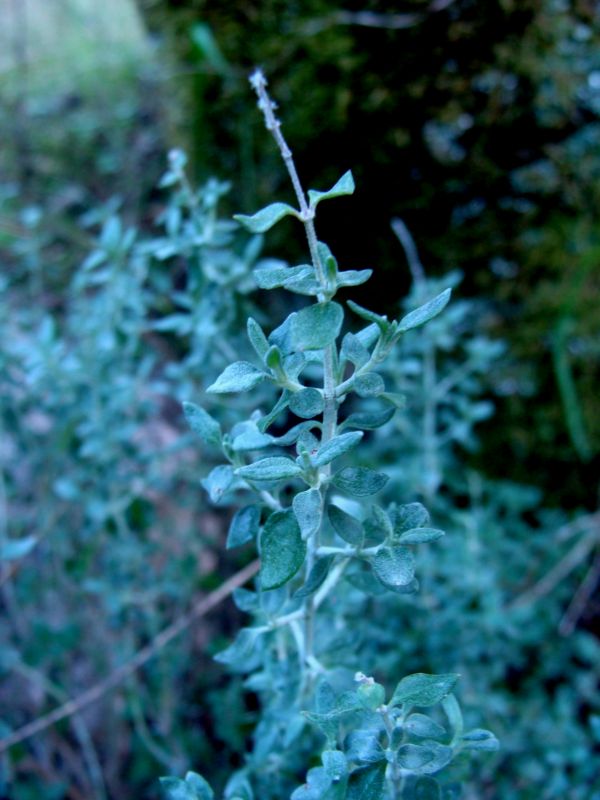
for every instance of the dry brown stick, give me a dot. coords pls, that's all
(94, 693)
(576, 555)
(371, 19)
(578, 525)
(580, 599)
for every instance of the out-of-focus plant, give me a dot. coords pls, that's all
(103, 538)
(507, 598)
(214, 277)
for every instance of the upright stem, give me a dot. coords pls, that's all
(431, 470)
(20, 20)
(430, 393)
(307, 215)
(395, 772)
(272, 124)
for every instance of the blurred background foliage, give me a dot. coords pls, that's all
(476, 123)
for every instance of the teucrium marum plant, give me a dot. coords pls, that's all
(324, 543)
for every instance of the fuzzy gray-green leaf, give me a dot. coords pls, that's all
(250, 438)
(453, 712)
(316, 577)
(382, 322)
(367, 783)
(369, 420)
(274, 468)
(240, 650)
(258, 340)
(480, 739)
(279, 406)
(423, 689)
(273, 277)
(337, 447)
(366, 582)
(194, 787)
(316, 326)
(218, 482)
(243, 527)
(424, 727)
(369, 385)
(346, 526)
(363, 745)
(425, 312)
(353, 277)
(378, 525)
(345, 185)
(335, 764)
(359, 481)
(291, 436)
(303, 282)
(200, 421)
(308, 510)
(237, 377)
(408, 516)
(316, 786)
(264, 219)
(420, 536)
(394, 566)
(424, 759)
(353, 350)
(306, 403)
(282, 549)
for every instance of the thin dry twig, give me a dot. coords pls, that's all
(580, 599)
(410, 250)
(94, 693)
(370, 19)
(575, 556)
(578, 525)
(80, 730)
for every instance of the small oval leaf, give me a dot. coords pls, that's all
(337, 447)
(367, 783)
(275, 468)
(394, 566)
(420, 536)
(316, 326)
(316, 577)
(282, 549)
(243, 527)
(308, 510)
(348, 528)
(369, 385)
(408, 516)
(423, 689)
(257, 338)
(353, 277)
(237, 377)
(200, 421)
(264, 219)
(306, 403)
(360, 481)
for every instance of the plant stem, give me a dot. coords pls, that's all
(307, 215)
(272, 124)
(350, 552)
(329, 430)
(395, 776)
(430, 465)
